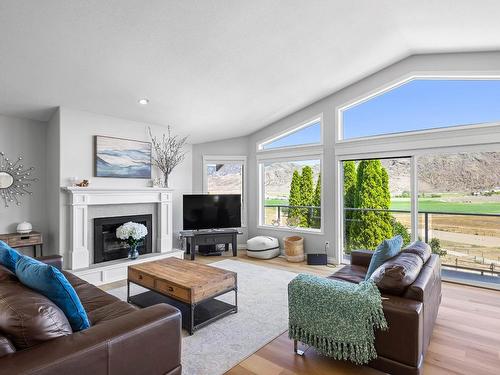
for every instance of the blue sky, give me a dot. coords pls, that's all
(417, 105)
(311, 134)
(425, 104)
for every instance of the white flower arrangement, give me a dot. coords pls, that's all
(131, 232)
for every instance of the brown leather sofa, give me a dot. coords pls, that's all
(121, 340)
(410, 314)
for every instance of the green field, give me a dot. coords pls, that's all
(437, 205)
(431, 205)
(276, 202)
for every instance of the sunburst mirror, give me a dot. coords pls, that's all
(15, 180)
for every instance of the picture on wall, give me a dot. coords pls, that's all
(125, 158)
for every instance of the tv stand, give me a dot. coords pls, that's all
(210, 237)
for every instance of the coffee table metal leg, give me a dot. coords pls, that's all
(128, 291)
(236, 292)
(236, 300)
(191, 319)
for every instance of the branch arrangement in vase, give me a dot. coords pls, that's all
(168, 152)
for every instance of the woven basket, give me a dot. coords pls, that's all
(294, 248)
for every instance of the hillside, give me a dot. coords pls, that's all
(462, 173)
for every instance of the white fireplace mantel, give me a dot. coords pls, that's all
(80, 198)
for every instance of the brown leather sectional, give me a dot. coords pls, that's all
(121, 340)
(410, 312)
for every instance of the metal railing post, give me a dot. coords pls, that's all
(426, 227)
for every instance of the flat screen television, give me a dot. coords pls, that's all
(207, 211)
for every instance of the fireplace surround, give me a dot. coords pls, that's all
(79, 201)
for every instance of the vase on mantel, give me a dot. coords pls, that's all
(133, 253)
(165, 181)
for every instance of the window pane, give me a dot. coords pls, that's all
(459, 209)
(225, 178)
(308, 135)
(292, 193)
(424, 104)
(377, 202)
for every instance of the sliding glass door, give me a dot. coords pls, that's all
(459, 211)
(451, 200)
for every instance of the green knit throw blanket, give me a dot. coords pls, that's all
(337, 318)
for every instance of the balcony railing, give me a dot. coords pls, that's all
(280, 213)
(470, 241)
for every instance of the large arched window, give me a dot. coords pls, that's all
(422, 104)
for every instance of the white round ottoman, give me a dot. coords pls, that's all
(263, 247)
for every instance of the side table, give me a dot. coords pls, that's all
(17, 240)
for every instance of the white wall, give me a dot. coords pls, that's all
(78, 129)
(229, 147)
(53, 162)
(25, 138)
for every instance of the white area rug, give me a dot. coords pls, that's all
(262, 316)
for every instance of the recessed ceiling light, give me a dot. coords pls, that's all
(143, 101)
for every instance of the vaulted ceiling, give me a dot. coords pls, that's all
(216, 68)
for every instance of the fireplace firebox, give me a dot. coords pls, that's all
(108, 247)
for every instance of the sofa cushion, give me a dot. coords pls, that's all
(6, 346)
(396, 274)
(75, 281)
(50, 282)
(420, 248)
(352, 273)
(94, 298)
(8, 256)
(28, 318)
(110, 312)
(7, 275)
(386, 250)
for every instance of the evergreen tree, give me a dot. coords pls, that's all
(316, 222)
(294, 197)
(349, 192)
(306, 194)
(317, 193)
(369, 228)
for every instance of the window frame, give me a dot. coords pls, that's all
(227, 159)
(290, 130)
(398, 83)
(313, 154)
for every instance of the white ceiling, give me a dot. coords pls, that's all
(216, 69)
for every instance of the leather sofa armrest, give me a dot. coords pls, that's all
(361, 257)
(403, 341)
(146, 341)
(53, 260)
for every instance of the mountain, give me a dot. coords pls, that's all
(441, 173)
(438, 173)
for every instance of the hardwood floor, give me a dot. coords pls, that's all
(279, 263)
(466, 338)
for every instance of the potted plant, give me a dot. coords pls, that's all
(132, 233)
(168, 152)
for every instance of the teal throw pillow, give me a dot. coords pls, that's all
(8, 256)
(50, 282)
(386, 250)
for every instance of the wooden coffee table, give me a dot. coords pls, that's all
(189, 286)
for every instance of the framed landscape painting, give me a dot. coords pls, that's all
(125, 158)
